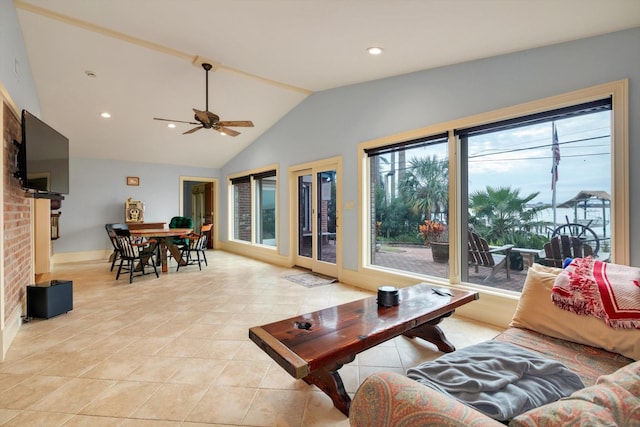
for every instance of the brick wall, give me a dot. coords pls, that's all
(242, 212)
(17, 220)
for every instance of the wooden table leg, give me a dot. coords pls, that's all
(431, 332)
(163, 255)
(328, 380)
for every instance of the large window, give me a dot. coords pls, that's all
(478, 203)
(409, 205)
(265, 185)
(254, 208)
(532, 177)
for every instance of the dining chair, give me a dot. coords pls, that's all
(181, 222)
(177, 243)
(115, 255)
(135, 255)
(198, 245)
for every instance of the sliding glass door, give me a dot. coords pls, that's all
(316, 209)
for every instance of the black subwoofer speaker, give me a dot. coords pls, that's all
(49, 299)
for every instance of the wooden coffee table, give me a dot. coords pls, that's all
(316, 345)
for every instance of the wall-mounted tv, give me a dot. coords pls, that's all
(43, 158)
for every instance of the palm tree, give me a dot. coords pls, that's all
(503, 210)
(425, 186)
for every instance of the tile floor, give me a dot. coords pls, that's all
(175, 351)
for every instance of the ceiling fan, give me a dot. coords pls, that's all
(208, 120)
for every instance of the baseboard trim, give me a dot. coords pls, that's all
(66, 257)
(10, 330)
(265, 254)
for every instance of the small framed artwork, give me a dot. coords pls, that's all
(133, 180)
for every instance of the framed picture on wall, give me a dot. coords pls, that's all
(133, 211)
(133, 180)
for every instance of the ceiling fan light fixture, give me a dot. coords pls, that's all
(171, 125)
(374, 50)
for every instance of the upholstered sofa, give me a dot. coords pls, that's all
(603, 358)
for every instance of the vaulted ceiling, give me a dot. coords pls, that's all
(141, 59)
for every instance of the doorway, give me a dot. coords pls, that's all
(198, 201)
(317, 232)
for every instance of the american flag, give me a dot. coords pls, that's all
(555, 149)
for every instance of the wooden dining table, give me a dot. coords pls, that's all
(161, 235)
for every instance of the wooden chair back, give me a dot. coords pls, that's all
(479, 251)
(562, 247)
(481, 255)
(197, 246)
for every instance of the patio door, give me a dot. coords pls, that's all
(317, 219)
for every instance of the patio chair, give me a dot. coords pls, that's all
(481, 255)
(562, 247)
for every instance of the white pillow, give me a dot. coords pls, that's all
(537, 312)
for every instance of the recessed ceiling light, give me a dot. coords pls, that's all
(105, 115)
(171, 125)
(374, 50)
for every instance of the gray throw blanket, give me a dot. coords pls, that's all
(498, 379)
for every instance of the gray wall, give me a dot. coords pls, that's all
(98, 191)
(333, 122)
(13, 56)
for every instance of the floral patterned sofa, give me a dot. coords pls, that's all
(601, 356)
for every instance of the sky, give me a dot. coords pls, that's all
(522, 159)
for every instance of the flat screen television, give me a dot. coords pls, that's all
(43, 157)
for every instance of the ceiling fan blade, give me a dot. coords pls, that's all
(202, 115)
(227, 131)
(176, 121)
(192, 130)
(238, 123)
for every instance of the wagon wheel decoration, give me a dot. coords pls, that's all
(582, 232)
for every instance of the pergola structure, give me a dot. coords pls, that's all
(590, 199)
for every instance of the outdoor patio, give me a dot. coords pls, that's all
(418, 259)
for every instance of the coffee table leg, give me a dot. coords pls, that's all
(431, 332)
(328, 380)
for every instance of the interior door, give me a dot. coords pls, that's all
(317, 220)
(199, 203)
(202, 208)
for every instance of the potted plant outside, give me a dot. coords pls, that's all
(435, 235)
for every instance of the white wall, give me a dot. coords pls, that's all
(333, 122)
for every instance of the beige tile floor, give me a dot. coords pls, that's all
(175, 351)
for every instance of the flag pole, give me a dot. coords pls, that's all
(555, 158)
